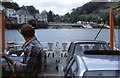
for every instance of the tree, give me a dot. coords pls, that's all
(50, 16)
(118, 20)
(11, 5)
(57, 18)
(66, 18)
(15, 5)
(32, 10)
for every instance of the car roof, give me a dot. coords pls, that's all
(89, 41)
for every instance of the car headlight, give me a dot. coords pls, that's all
(101, 73)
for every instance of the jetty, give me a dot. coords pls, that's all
(68, 25)
(76, 25)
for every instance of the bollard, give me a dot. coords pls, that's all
(53, 55)
(61, 54)
(64, 46)
(50, 45)
(48, 54)
(57, 50)
(65, 55)
(10, 45)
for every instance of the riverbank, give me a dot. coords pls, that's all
(53, 25)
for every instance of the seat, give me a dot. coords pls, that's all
(86, 47)
(78, 49)
(96, 47)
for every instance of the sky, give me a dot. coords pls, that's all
(60, 7)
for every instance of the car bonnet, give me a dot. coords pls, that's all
(101, 62)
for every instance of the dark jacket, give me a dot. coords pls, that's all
(32, 59)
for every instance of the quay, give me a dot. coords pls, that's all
(75, 25)
(51, 68)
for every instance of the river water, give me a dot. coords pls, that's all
(63, 35)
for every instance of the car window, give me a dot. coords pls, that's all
(78, 48)
(91, 46)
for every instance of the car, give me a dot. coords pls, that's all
(91, 59)
(79, 46)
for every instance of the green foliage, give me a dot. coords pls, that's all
(57, 18)
(92, 11)
(10, 26)
(50, 16)
(11, 5)
(90, 7)
(66, 18)
(32, 10)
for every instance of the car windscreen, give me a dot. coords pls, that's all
(81, 47)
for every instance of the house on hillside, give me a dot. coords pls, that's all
(114, 0)
(41, 20)
(42, 16)
(1, 7)
(100, 0)
(10, 13)
(10, 16)
(23, 16)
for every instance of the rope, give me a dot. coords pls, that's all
(115, 40)
(12, 23)
(99, 31)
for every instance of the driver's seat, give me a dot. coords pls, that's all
(78, 49)
(86, 47)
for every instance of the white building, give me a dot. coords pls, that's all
(42, 16)
(10, 12)
(99, 0)
(23, 16)
(38, 16)
(1, 7)
(114, 0)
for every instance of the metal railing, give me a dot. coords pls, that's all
(53, 49)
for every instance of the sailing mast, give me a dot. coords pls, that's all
(112, 26)
(2, 42)
(1, 31)
(2, 46)
(3, 34)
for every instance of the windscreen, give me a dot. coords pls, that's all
(90, 46)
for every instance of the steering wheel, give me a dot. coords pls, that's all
(7, 70)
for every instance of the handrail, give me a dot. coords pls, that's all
(54, 44)
(53, 49)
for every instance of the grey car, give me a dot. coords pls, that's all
(91, 59)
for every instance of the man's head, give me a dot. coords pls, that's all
(27, 31)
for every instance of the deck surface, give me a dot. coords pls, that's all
(51, 69)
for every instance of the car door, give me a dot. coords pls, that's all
(71, 69)
(74, 68)
(67, 69)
